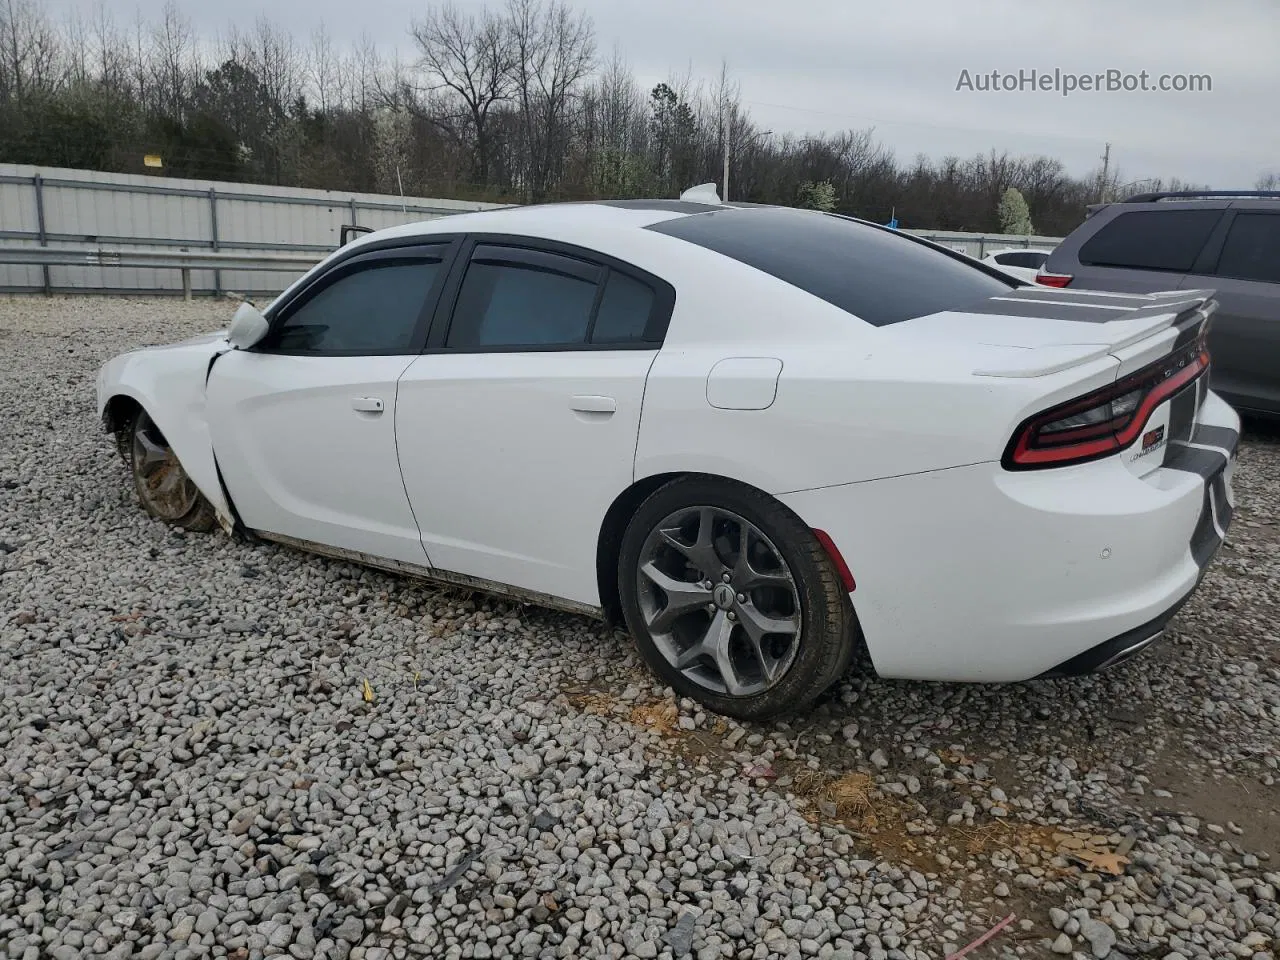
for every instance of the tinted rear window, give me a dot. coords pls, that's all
(1252, 250)
(1151, 240)
(1025, 259)
(877, 275)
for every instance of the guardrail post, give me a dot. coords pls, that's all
(186, 277)
(213, 227)
(38, 182)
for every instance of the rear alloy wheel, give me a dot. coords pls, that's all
(163, 486)
(732, 600)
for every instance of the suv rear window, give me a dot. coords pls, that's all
(877, 275)
(1151, 240)
(1025, 259)
(1252, 250)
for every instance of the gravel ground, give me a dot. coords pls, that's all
(191, 764)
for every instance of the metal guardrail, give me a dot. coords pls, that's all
(986, 242)
(184, 260)
(290, 261)
(222, 201)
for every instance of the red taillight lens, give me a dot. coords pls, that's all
(1053, 279)
(1107, 420)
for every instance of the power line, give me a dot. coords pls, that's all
(916, 123)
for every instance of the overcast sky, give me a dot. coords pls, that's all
(806, 66)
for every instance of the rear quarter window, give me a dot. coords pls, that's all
(1252, 248)
(877, 275)
(1151, 240)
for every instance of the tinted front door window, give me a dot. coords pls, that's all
(374, 307)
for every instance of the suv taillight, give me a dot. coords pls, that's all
(1106, 420)
(1054, 279)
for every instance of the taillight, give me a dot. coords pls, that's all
(1107, 420)
(1054, 279)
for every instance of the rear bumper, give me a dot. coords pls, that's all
(1119, 649)
(980, 574)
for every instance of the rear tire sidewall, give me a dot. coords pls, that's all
(824, 611)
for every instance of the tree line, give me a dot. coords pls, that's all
(512, 103)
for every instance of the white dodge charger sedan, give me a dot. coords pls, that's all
(757, 436)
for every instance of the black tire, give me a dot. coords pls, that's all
(828, 635)
(196, 513)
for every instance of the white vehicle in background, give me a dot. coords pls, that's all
(1018, 261)
(757, 436)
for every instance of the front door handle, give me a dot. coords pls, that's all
(367, 404)
(593, 404)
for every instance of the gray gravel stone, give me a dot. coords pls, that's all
(188, 743)
(1100, 936)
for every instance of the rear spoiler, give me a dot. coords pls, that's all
(1153, 312)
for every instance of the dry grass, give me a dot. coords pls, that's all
(846, 797)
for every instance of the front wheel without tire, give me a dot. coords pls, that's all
(163, 486)
(732, 600)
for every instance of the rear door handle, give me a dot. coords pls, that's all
(367, 404)
(593, 404)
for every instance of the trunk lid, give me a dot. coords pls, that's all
(1145, 348)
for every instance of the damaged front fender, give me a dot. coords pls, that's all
(169, 383)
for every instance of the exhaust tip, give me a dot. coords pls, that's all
(1129, 652)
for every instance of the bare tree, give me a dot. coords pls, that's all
(110, 51)
(322, 70)
(364, 67)
(469, 59)
(29, 50)
(173, 61)
(140, 62)
(613, 132)
(76, 49)
(273, 56)
(1268, 181)
(554, 51)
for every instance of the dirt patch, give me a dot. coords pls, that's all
(1245, 811)
(662, 718)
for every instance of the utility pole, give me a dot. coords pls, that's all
(746, 141)
(1106, 166)
(724, 133)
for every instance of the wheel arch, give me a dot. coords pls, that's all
(119, 409)
(117, 413)
(190, 441)
(609, 539)
(624, 507)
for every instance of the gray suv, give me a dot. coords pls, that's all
(1228, 241)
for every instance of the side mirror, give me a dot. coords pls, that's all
(248, 326)
(350, 230)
